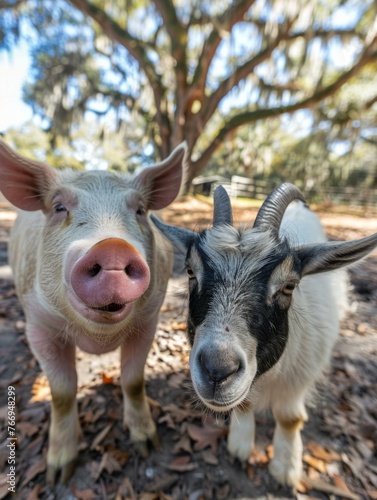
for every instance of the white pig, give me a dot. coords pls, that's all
(90, 271)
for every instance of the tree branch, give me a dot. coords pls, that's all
(115, 32)
(244, 70)
(5, 4)
(227, 20)
(241, 72)
(367, 56)
(136, 48)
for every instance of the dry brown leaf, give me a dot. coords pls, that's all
(209, 457)
(35, 492)
(40, 389)
(182, 464)
(179, 326)
(164, 496)
(176, 380)
(177, 413)
(107, 378)
(168, 420)
(87, 494)
(126, 490)
(27, 428)
(4, 413)
(33, 471)
(101, 436)
(325, 454)
(162, 483)
(153, 403)
(109, 464)
(340, 483)
(208, 435)
(3, 486)
(16, 378)
(184, 444)
(35, 446)
(87, 416)
(250, 469)
(313, 473)
(258, 458)
(222, 492)
(98, 414)
(149, 496)
(316, 463)
(121, 456)
(167, 308)
(270, 451)
(327, 488)
(301, 488)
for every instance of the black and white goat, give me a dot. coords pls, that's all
(264, 315)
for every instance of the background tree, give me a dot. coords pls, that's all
(193, 70)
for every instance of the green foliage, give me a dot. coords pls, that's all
(221, 75)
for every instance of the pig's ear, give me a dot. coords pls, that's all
(22, 181)
(162, 183)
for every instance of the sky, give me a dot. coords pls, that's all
(13, 72)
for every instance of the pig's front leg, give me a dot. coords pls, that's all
(137, 416)
(57, 360)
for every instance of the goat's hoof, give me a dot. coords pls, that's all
(240, 450)
(286, 474)
(66, 473)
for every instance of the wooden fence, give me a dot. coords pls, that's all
(242, 187)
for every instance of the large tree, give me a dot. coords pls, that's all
(190, 70)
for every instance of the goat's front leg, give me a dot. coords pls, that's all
(137, 416)
(241, 436)
(57, 361)
(286, 466)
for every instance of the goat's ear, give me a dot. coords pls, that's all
(322, 257)
(181, 238)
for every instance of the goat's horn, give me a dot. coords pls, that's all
(271, 212)
(222, 209)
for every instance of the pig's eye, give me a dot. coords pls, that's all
(59, 207)
(141, 211)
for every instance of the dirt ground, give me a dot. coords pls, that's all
(340, 439)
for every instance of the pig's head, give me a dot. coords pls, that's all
(96, 252)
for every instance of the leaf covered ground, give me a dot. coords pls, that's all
(340, 440)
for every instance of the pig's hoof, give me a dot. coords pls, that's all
(141, 446)
(142, 434)
(65, 472)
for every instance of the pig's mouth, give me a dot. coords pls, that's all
(113, 307)
(109, 313)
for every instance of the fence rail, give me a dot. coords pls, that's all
(242, 187)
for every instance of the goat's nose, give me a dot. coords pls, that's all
(218, 368)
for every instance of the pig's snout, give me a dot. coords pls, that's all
(111, 274)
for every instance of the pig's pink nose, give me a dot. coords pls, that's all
(111, 274)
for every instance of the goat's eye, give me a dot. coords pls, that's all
(59, 207)
(289, 288)
(190, 273)
(141, 211)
